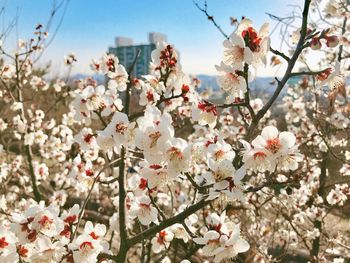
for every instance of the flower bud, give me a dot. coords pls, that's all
(332, 41)
(315, 43)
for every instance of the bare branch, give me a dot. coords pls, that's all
(287, 74)
(210, 18)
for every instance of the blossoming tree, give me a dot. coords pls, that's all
(86, 177)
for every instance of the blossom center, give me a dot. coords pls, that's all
(259, 155)
(143, 183)
(251, 39)
(121, 128)
(45, 222)
(86, 246)
(175, 153)
(3, 242)
(93, 235)
(88, 138)
(149, 96)
(161, 237)
(22, 251)
(154, 138)
(273, 145)
(219, 154)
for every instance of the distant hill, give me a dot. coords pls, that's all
(263, 84)
(260, 85)
(208, 81)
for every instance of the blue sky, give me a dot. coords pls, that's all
(90, 26)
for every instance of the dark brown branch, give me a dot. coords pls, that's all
(36, 192)
(310, 73)
(194, 184)
(246, 95)
(267, 184)
(28, 148)
(343, 30)
(166, 223)
(210, 18)
(318, 223)
(163, 99)
(278, 53)
(238, 104)
(287, 74)
(123, 248)
(162, 215)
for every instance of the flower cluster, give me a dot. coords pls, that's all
(223, 240)
(271, 150)
(244, 47)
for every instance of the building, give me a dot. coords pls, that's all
(126, 52)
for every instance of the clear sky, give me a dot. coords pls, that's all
(90, 26)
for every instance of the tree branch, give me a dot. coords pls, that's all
(166, 223)
(278, 53)
(310, 73)
(287, 74)
(210, 18)
(123, 249)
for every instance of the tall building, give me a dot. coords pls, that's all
(126, 52)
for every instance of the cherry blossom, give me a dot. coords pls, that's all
(272, 148)
(224, 241)
(120, 129)
(162, 240)
(8, 248)
(144, 211)
(154, 129)
(205, 113)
